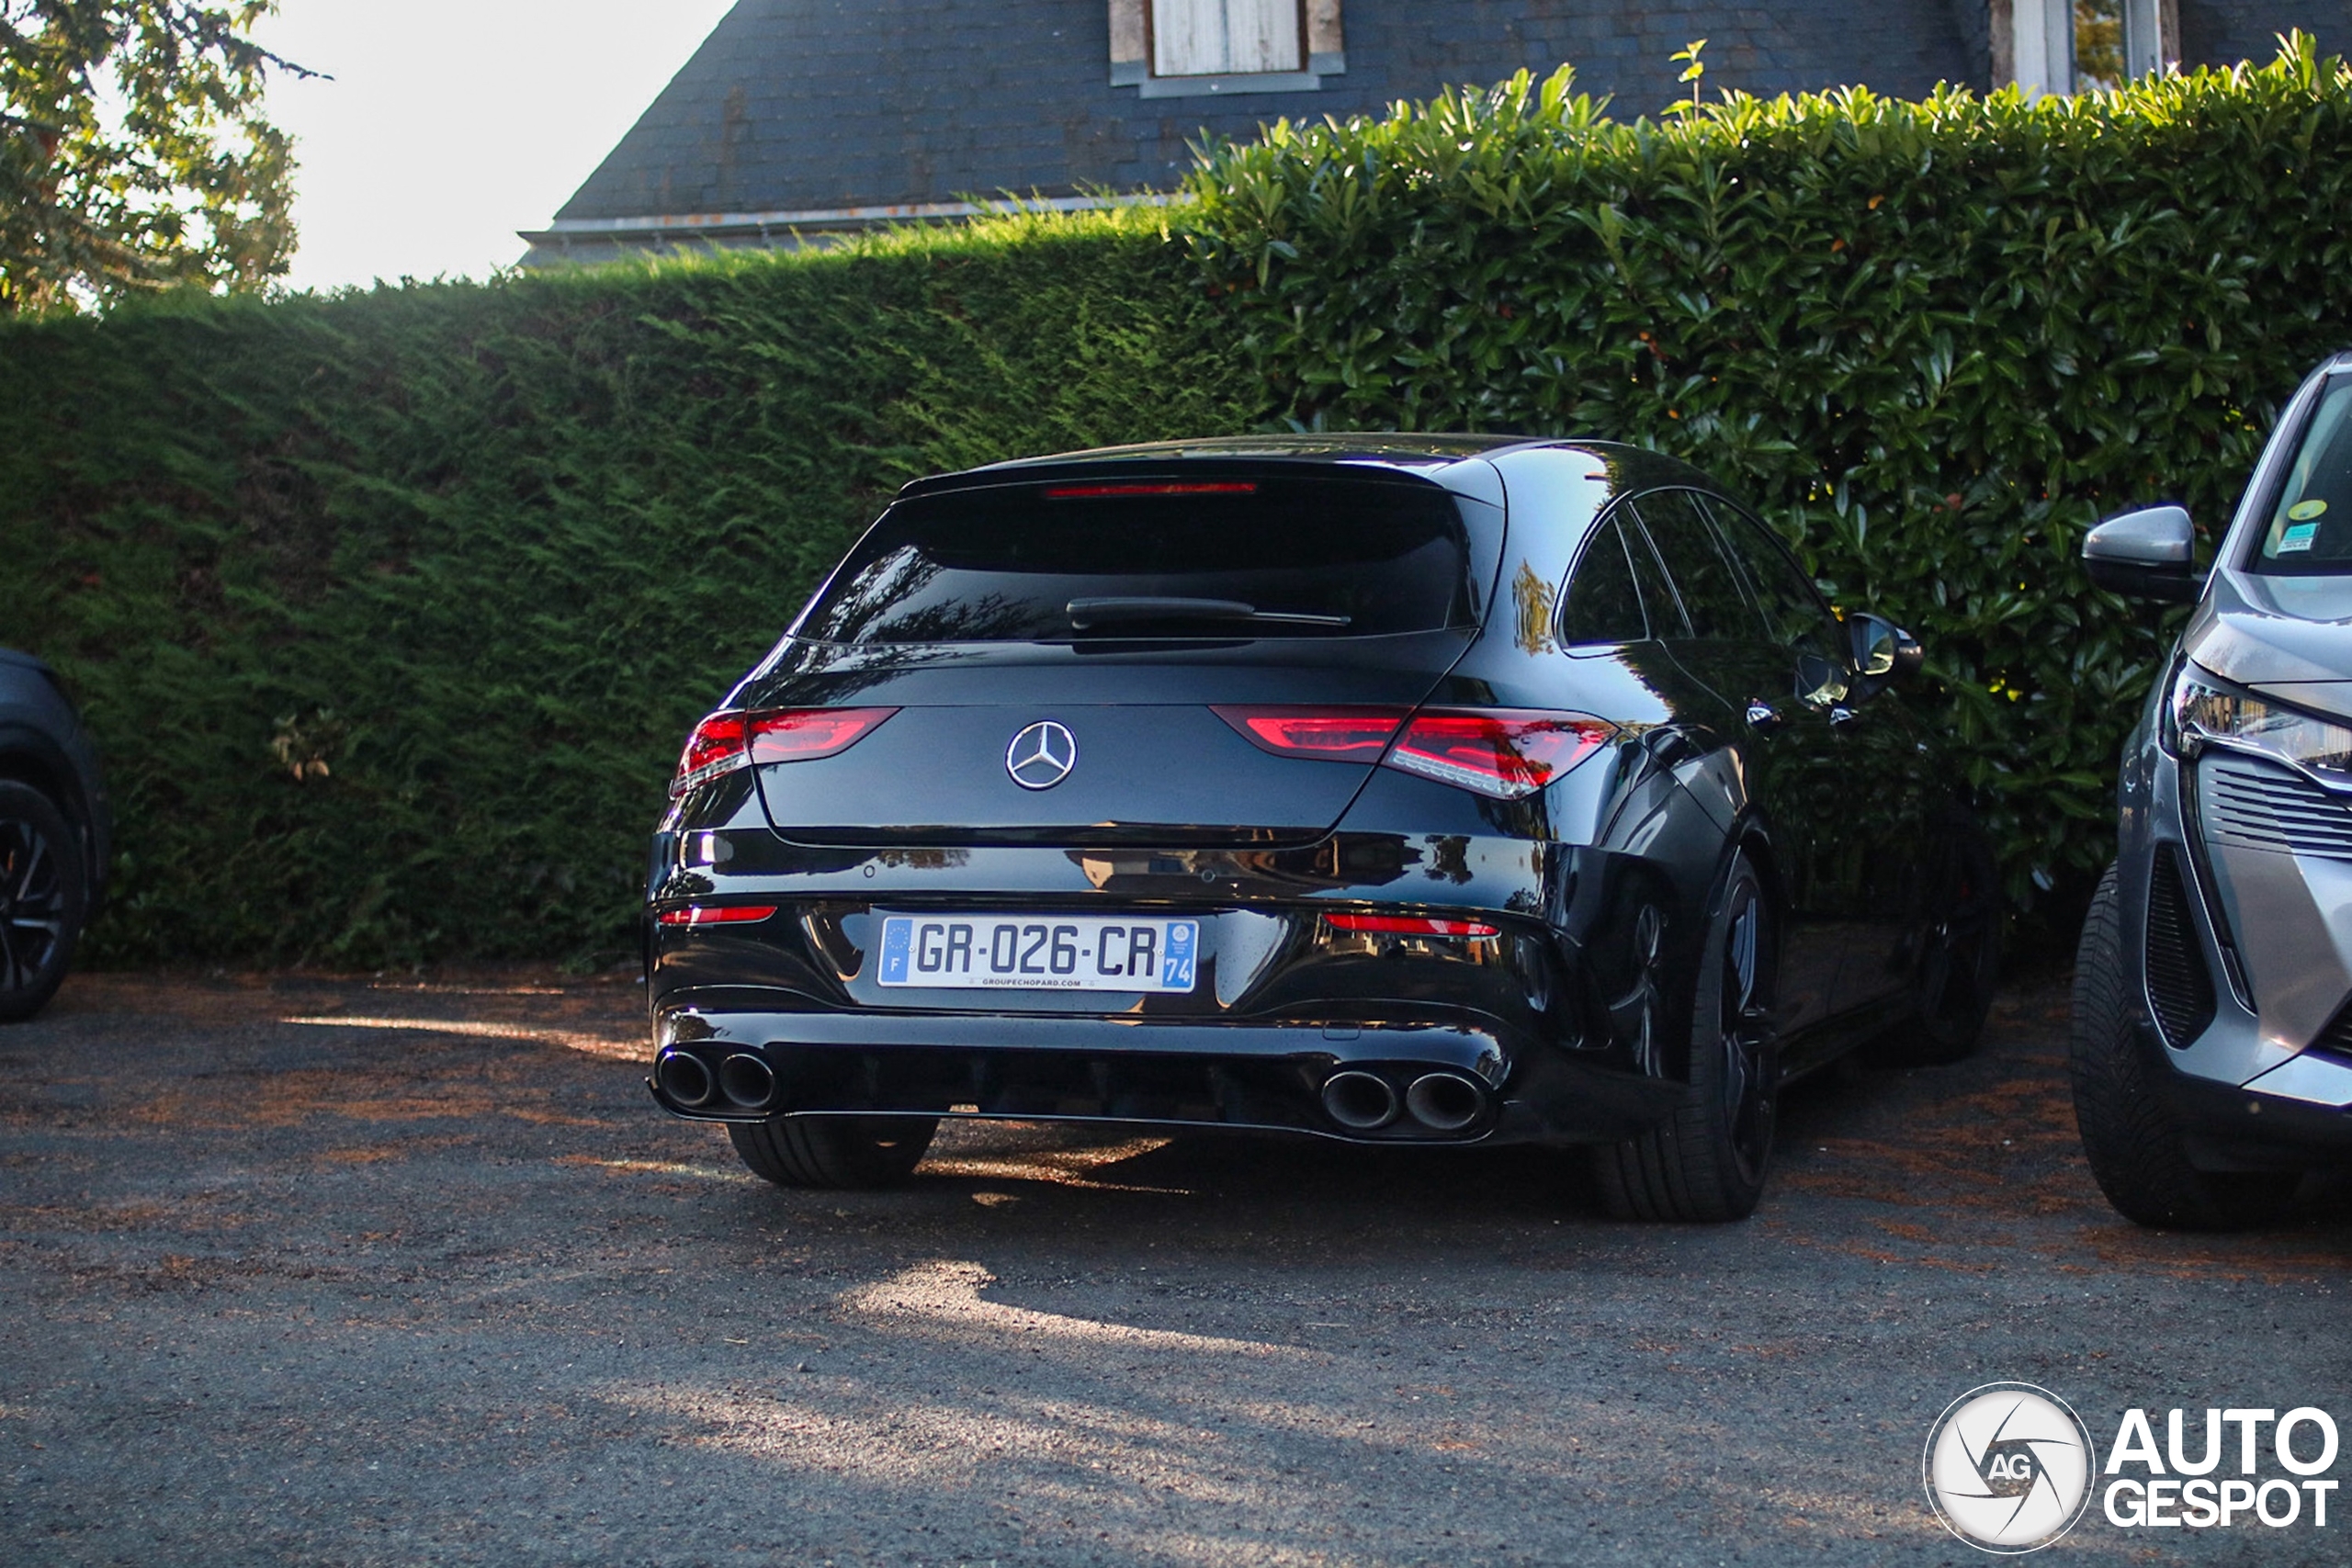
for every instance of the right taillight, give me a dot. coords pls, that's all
(1353, 735)
(737, 737)
(1500, 753)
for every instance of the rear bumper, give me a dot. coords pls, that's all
(737, 1056)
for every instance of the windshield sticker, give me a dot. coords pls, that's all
(2303, 511)
(2298, 537)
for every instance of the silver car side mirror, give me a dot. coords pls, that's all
(2147, 554)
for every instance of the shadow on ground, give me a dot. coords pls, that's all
(339, 1271)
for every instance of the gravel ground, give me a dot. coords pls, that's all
(295, 1270)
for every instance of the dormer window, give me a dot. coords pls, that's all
(2081, 46)
(1172, 49)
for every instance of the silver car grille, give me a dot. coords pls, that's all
(2269, 807)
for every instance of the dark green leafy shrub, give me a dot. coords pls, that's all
(1933, 341)
(389, 610)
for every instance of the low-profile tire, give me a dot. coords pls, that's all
(1707, 1162)
(833, 1151)
(44, 898)
(2137, 1149)
(1960, 954)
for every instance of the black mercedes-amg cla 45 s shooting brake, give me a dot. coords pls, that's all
(1398, 790)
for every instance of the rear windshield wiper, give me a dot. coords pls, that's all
(1087, 614)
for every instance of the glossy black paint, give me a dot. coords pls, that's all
(42, 744)
(1573, 1018)
(55, 832)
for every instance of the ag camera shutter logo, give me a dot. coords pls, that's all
(2009, 1467)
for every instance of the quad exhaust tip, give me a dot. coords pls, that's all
(747, 1080)
(1444, 1101)
(1358, 1101)
(683, 1077)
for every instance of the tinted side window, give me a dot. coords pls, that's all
(1657, 594)
(1791, 604)
(1602, 605)
(1708, 582)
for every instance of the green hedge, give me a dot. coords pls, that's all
(1934, 341)
(390, 609)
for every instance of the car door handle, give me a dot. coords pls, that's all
(1762, 716)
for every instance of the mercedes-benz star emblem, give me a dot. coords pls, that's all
(1041, 755)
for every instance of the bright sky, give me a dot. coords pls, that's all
(452, 123)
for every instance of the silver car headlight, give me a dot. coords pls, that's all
(2204, 710)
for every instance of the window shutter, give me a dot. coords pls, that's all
(1217, 37)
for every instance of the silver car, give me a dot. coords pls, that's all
(2212, 1024)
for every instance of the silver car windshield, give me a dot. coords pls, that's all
(2309, 534)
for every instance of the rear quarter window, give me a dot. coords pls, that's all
(1344, 557)
(1602, 605)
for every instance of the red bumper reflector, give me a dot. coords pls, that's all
(1410, 925)
(715, 914)
(1089, 492)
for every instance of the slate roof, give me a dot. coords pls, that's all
(826, 112)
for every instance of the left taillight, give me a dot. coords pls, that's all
(737, 737)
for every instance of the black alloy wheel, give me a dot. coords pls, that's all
(833, 1151)
(1707, 1162)
(44, 898)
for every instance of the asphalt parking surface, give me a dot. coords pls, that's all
(295, 1271)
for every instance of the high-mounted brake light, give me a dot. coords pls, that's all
(1410, 925)
(1499, 753)
(1342, 734)
(737, 737)
(715, 914)
(1198, 487)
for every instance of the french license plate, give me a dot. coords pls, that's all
(1062, 953)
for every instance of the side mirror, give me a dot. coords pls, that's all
(1883, 653)
(2147, 554)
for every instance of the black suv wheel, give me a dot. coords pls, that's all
(2137, 1151)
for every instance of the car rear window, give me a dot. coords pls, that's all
(1311, 557)
(2310, 533)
